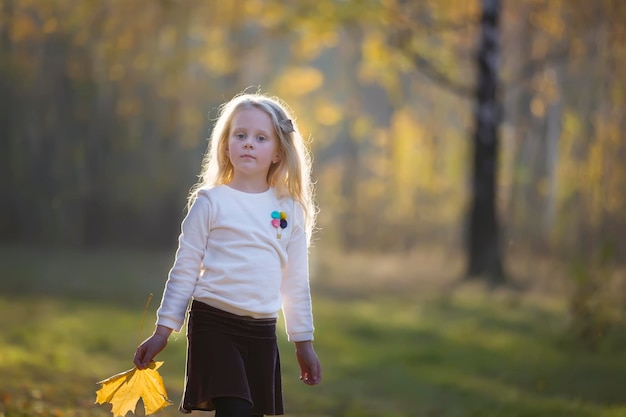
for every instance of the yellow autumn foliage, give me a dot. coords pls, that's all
(123, 391)
(299, 81)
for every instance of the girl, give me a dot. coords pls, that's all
(242, 256)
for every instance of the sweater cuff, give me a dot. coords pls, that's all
(300, 337)
(172, 324)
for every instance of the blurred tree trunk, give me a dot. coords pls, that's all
(350, 226)
(554, 115)
(483, 245)
(8, 228)
(520, 116)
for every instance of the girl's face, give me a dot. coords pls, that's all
(252, 144)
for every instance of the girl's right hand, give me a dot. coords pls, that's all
(149, 349)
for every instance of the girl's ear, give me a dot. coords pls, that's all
(276, 158)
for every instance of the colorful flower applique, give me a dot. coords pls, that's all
(279, 221)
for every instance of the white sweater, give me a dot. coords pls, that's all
(229, 257)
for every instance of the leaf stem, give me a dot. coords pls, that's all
(143, 317)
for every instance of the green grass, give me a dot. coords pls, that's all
(392, 342)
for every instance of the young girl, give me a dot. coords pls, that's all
(242, 256)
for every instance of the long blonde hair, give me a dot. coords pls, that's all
(291, 176)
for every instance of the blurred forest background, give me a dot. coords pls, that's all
(106, 107)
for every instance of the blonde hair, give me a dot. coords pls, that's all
(291, 176)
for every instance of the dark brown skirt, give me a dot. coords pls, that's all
(231, 356)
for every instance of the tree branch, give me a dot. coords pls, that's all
(425, 67)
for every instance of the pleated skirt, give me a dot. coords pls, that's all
(231, 356)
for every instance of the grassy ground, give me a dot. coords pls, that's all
(396, 338)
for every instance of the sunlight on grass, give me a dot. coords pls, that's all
(403, 351)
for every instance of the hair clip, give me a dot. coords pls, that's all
(279, 221)
(286, 126)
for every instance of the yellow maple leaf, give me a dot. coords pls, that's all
(123, 391)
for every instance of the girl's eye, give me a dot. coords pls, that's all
(261, 139)
(239, 135)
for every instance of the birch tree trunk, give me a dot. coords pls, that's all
(483, 244)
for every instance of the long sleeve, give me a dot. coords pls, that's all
(187, 265)
(295, 289)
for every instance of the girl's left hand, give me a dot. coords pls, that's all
(310, 368)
